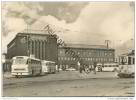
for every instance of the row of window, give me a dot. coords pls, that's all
(86, 59)
(87, 53)
(33, 62)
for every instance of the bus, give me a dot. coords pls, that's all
(25, 66)
(48, 67)
(107, 67)
(111, 67)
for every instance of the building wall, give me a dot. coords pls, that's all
(87, 55)
(42, 46)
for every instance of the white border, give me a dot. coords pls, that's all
(61, 98)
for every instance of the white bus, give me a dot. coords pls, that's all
(48, 67)
(108, 67)
(23, 66)
(112, 67)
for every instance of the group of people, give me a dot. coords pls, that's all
(87, 69)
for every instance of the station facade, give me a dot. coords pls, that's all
(88, 54)
(42, 46)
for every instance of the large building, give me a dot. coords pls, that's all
(42, 46)
(88, 54)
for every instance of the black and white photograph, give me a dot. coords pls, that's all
(68, 48)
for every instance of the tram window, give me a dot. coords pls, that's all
(129, 60)
(133, 60)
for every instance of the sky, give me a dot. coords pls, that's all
(74, 22)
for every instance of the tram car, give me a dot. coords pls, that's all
(126, 65)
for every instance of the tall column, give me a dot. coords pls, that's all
(34, 51)
(38, 50)
(30, 48)
(44, 49)
(41, 53)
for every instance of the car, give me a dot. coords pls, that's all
(70, 69)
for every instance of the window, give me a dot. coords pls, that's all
(78, 53)
(110, 54)
(105, 54)
(90, 53)
(62, 58)
(133, 60)
(88, 59)
(129, 60)
(96, 59)
(20, 61)
(61, 51)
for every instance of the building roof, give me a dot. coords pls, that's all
(32, 34)
(30, 31)
(132, 53)
(87, 46)
(25, 34)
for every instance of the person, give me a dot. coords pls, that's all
(87, 69)
(57, 68)
(95, 65)
(79, 67)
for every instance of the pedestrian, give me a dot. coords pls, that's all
(79, 67)
(95, 65)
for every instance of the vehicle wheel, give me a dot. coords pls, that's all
(40, 72)
(16, 76)
(114, 70)
(101, 69)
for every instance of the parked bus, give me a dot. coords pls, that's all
(48, 67)
(108, 67)
(25, 66)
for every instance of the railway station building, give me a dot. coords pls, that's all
(42, 46)
(87, 53)
(45, 47)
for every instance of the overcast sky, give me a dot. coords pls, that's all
(81, 22)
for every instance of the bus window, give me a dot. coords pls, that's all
(19, 61)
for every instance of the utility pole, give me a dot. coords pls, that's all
(107, 43)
